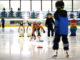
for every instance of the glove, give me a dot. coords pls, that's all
(43, 31)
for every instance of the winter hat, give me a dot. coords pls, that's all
(73, 21)
(49, 14)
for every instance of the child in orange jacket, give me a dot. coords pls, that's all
(36, 27)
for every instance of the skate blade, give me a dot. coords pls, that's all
(67, 56)
(55, 56)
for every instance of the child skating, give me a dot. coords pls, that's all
(49, 23)
(21, 30)
(36, 27)
(61, 28)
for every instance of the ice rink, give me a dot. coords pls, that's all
(13, 47)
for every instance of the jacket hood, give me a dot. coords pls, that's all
(61, 13)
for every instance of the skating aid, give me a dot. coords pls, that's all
(41, 40)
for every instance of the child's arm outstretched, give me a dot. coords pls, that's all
(41, 28)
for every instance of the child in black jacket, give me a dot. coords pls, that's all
(49, 23)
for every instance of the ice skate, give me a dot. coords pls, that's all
(55, 54)
(67, 54)
(39, 38)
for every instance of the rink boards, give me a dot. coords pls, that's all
(15, 22)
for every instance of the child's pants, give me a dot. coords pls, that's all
(38, 31)
(50, 29)
(57, 40)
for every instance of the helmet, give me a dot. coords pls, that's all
(59, 4)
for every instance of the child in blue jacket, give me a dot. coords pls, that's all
(61, 28)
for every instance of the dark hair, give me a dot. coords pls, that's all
(59, 4)
(49, 14)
